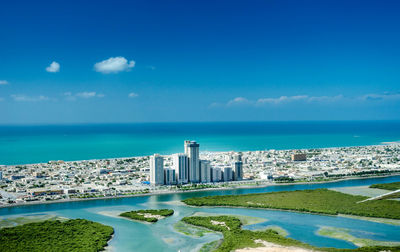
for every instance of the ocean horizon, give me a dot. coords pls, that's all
(20, 144)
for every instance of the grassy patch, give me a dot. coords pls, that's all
(278, 229)
(150, 215)
(71, 235)
(314, 201)
(343, 234)
(236, 238)
(392, 196)
(387, 186)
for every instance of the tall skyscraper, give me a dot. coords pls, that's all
(194, 162)
(205, 171)
(238, 170)
(156, 170)
(186, 146)
(181, 166)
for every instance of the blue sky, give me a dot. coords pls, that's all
(166, 61)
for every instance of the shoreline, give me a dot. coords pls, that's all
(273, 247)
(396, 142)
(191, 191)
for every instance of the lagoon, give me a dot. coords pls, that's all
(161, 236)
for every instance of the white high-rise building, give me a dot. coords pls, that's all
(181, 166)
(194, 162)
(156, 170)
(205, 171)
(169, 176)
(227, 175)
(186, 146)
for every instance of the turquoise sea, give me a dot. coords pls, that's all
(161, 236)
(33, 144)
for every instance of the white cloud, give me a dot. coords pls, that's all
(132, 95)
(114, 65)
(26, 98)
(380, 97)
(237, 100)
(295, 98)
(309, 99)
(3, 82)
(53, 68)
(84, 95)
(325, 98)
(279, 100)
(151, 67)
(282, 99)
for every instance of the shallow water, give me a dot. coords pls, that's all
(34, 144)
(137, 236)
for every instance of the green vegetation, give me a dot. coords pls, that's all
(71, 235)
(150, 215)
(343, 234)
(314, 201)
(392, 196)
(191, 187)
(237, 238)
(245, 220)
(284, 180)
(97, 195)
(278, 229)
(387, 186)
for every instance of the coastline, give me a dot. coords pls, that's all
(397, 142)
(272, 247)
(191, 191)
(109, 248)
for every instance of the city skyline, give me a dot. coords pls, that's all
(187, 168)
(224, 61)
